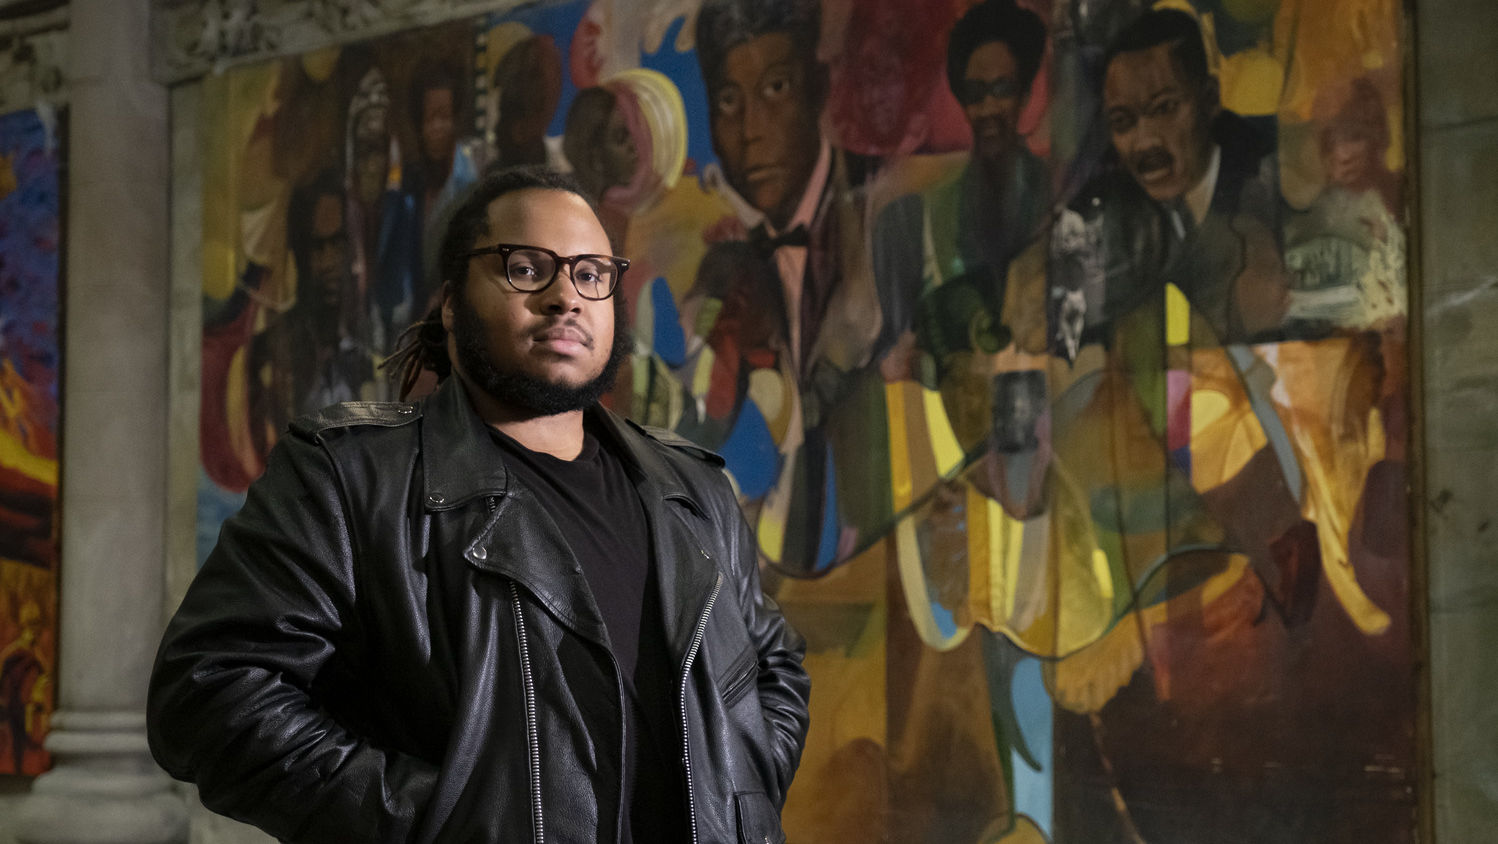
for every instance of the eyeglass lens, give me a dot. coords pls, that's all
(533, 269)
(972, 91)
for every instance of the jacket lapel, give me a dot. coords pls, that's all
(685, 569)
(514, 536)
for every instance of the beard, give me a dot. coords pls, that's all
(529, 392)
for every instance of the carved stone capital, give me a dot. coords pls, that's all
(193, 37)
(33, 60)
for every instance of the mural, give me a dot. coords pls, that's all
(30, 361)
(1056, 349)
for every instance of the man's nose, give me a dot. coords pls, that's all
(561, 295)
(755, 118)
(989, 106)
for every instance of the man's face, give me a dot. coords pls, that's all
(764, 122)
(617, 156)
(437, 123)
(552, 341)
(1159, 121)
(1350, 157)
(327, 252)
(991, 99)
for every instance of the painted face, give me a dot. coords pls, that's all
(991, 100)
(327, 252)
(553, 339)
(1349, 157)
(764, 123)
(618, 157)
(437, 132)
(1159, 121)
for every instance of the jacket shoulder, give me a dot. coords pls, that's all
(676, 441)
(349, 414)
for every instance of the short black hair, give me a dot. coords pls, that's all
(468, 218)
(1021, 30)
(725, 24)
(1164, 26)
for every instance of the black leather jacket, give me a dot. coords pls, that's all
(385, 646)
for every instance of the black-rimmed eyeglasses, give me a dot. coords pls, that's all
(531, 269)
(970, 92)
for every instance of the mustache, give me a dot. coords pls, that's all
(569, 328)
(1154, 158)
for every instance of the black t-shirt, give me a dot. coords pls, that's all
(596, 506)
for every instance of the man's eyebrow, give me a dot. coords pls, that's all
(780, 65)
(1172, 89)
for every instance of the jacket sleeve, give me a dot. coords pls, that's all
(784, 685)
(231, 705)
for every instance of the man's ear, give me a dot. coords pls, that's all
(449, 293)
(1211, 97)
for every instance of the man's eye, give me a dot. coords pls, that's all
(727, 101)
(523, 270)
(776, 87)
(1165, 107)
(1120, 123)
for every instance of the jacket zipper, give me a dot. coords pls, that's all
(532, 739)
(532, 735)
(686, 670)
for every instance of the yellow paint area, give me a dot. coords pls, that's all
(14, 456)
(1177, 317)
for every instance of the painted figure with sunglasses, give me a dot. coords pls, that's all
(497, 614)
(958, 238)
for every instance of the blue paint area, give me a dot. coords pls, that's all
(30, 263)
(214, 506)
(827, 545)
(946, 623)
(1182, 458)
(1032, 708)
(750, 451)
(560, 20)
(682, 69)
(669, 342)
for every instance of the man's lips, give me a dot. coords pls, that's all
(1153, 165)
(763, 173)
(564, 338)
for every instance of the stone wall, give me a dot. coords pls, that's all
(1457, 286)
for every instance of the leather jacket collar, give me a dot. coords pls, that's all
(459, 454)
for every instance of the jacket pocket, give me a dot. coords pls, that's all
(759, 823)
(740, 675)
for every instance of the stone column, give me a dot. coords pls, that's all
(104, 786)
(1457, 110)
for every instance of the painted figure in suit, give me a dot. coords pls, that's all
(786, 305)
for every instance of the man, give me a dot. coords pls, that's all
(982, 217)
(1170, 262)
(499, 614)
(523, 97)
(1191, 198)
(445, 163)
(313, 354)
(796, 308)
